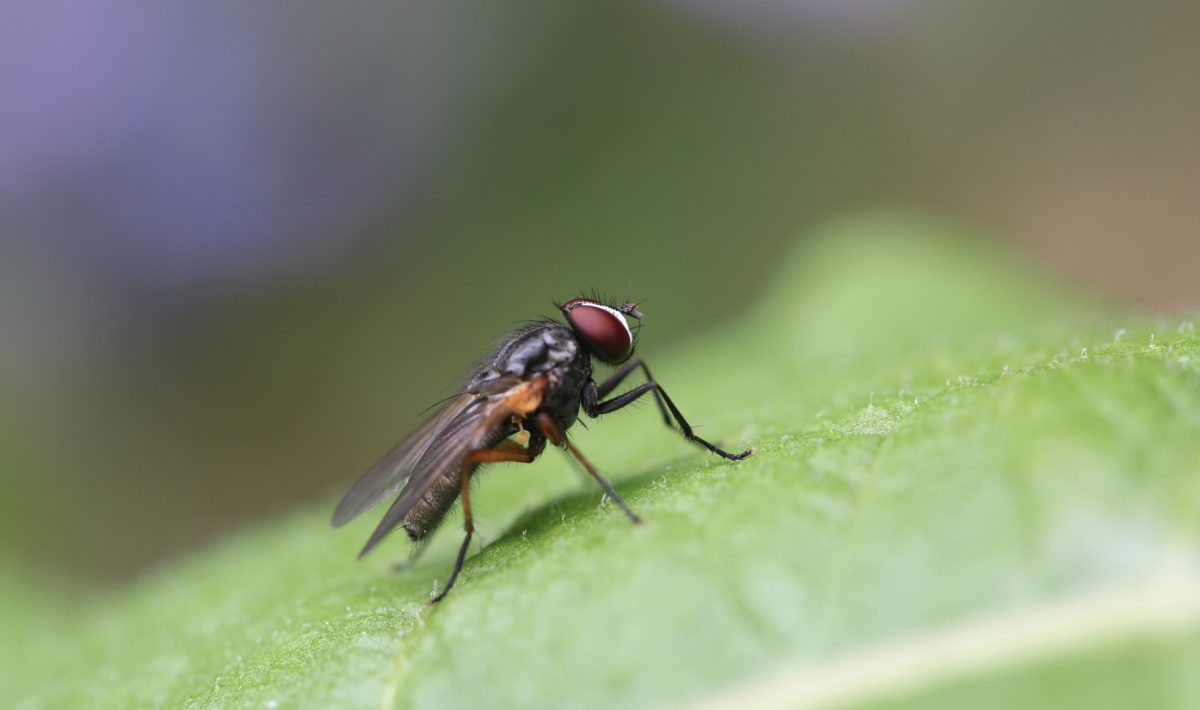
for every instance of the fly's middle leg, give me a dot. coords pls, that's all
(555, 435)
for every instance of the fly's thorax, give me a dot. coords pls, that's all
(537, 349)
(483, 376)
(564, 395)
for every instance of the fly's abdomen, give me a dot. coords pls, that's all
(427, 513)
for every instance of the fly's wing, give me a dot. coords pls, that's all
(393, 470)
(467, 431)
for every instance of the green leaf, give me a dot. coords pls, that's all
(970, 488)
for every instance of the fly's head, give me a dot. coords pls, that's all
(603, 328)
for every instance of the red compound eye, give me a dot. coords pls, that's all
(603, 328)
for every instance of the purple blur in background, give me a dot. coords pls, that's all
(242, 246)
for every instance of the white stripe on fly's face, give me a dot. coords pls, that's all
(615, 313)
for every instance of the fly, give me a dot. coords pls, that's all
(536, 381)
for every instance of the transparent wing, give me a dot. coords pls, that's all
(481, 424)
(389, 474)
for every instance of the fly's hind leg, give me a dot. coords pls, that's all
(555, 435)
(504, 451)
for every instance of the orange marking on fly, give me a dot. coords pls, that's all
(525, 398)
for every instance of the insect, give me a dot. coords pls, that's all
(537, 380)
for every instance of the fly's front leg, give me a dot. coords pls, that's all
(609, 384)
(594, 408)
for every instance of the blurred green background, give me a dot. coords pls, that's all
(243, 246)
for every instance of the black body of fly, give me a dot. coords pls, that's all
(537, 380)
